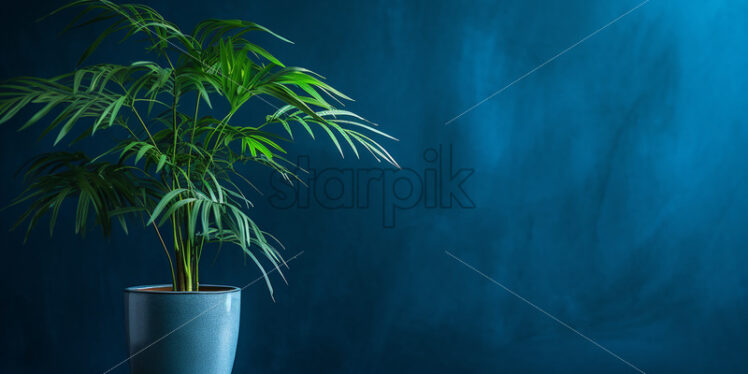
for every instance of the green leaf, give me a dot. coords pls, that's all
(117, 105)
(161, 163)
(39, 115)
(145, 148)
(164, 201)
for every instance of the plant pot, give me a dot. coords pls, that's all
(182, 332)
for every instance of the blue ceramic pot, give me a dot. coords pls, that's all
(182, 332)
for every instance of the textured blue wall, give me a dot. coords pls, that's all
(608, 189)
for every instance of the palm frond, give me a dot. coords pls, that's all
(112, 191)
(171, 163)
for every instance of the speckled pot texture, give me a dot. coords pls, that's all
(182, 332)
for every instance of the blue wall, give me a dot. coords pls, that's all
(608, 189)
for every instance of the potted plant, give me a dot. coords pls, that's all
(173, 162)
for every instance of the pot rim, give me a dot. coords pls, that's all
(148, 289)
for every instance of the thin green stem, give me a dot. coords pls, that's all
(145, 127)
(192, 136)
(224, 122)
(174, 120)
(131, 133)
(178, 256)
(166, 250)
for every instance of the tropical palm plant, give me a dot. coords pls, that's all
(173, 165)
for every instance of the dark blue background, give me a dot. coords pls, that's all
(608, 190)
